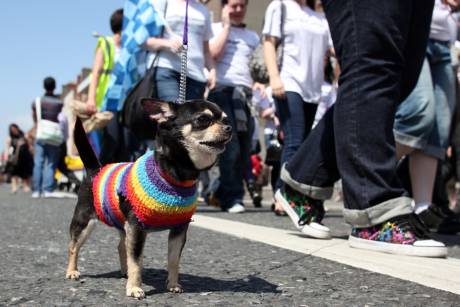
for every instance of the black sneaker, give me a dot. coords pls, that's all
(432, 217)
(403, 235)
(305, 213)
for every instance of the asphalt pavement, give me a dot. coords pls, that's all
(217, 269)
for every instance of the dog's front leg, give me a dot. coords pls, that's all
(176, 242)
(122, 254)
(135, 239)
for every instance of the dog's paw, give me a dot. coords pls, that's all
(135, 292)
(75, 275)
(174, 288)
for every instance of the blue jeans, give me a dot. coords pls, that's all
(296, 119)
(423, 119)
(234, 161)
(167, 85)
(46, 159)
(380, 46)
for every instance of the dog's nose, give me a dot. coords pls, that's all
(227, 128)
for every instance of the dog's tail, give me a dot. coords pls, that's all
(87, 155)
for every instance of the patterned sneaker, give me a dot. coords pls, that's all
(306, 213)
(403, 235)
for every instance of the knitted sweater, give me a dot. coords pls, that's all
(157, 200)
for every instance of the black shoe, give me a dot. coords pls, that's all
(432, 217)
(450, 226)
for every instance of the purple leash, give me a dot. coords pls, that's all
(183, 60)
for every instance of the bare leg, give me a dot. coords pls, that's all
(422, 170)
(176, 242)
(14, 184)
(26, 182)
(79, 233)
(135, 239)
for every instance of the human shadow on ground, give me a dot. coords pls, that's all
(156, 278)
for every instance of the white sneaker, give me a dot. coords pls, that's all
(58, 194)
(35, 194)
(236, 208)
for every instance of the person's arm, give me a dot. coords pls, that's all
(270, 57)
(217, 45)
(96, 72)
(210, 65)
(154, 44)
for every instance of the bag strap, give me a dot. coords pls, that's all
(38, 109)
(283, 19)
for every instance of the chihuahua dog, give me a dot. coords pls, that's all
(156, 192)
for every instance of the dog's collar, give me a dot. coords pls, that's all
(171, 180)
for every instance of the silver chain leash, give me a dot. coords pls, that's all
(183, 74)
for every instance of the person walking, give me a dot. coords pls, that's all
(20, 160)
(110, 138)
(46, 154)
(168, 48)
(380, 47)
(231, 48)
(423, 120)
(296, 71)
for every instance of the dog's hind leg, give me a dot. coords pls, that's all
(83, 222)
(176, 242)
(135, 240)
(122, 254)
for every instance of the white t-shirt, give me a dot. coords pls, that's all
(443, 23)
(232, 68)
(199, 31)
(306, 41)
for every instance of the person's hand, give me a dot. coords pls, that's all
(261, 88)
(174, 45)
(91, 107)
(226, 16)
(212, 77)
(277, 88)
(453, 4)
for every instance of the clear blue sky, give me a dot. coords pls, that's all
(42, 38)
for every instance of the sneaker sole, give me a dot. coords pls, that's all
(310, 229)
(399, 249)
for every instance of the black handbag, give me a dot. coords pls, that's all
(133, 115)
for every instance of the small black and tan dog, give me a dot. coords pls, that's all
(189, 139)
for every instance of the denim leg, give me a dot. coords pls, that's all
(444, 94)
(112, 142)
(415, 116)
(231, 166)
(376, 42)
(167, 85)
(39, 160)
(295, 122)
(49, 167)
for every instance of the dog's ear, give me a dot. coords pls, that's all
(158, 110)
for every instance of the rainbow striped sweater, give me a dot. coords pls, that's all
(157, 200)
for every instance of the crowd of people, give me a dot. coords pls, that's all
(391, 138)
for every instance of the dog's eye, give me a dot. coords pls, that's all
(203, 120)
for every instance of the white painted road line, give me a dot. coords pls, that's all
(443, 274)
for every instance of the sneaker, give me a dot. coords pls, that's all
(403, 235)
(35, 194)
(236, 208)
(57, 194)
(432, 217)
(306, 213)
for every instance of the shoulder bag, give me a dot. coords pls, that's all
(48, 132)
